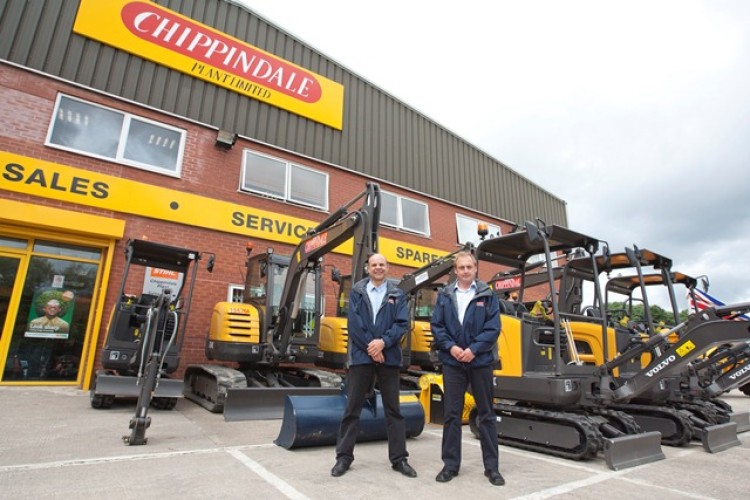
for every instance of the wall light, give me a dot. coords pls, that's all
(225, 139)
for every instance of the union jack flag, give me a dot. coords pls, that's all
(703, 301)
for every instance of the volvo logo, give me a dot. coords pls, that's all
(739, 373)
(653, 371)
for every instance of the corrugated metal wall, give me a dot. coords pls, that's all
(382, 136)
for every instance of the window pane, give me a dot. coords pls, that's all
(467, 230)
(388, 209)
(53, 248)
(414, 215)
(88, 128)
(6, 241)
(151, 144)
(308, 187)
(264, 175)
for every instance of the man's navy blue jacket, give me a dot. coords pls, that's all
(391, 324)
(479, 331)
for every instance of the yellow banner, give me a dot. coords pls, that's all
(49, 180)
(176, 41)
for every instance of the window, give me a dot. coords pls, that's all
(277, 178)
(404, 213)
(466, 227)
(94, 130)
(235, 293)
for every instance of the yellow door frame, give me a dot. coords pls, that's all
(32, 221)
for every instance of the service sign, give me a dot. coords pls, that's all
(170, 39)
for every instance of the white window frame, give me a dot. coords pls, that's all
(287, 195)
(235, 292)
(400, 214)
(122, 141)
(494, 230)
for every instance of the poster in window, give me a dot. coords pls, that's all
(51, 313)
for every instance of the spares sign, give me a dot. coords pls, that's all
(175, 41)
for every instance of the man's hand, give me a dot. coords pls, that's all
(376, 347)
(457, 352)
(378, 358)
(466, 356)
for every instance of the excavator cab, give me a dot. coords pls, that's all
(235, 327)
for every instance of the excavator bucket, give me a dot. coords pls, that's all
(742, 419)
(716, 438)
(127, 386)
(633, 449)
(265, 403)
(315, 420)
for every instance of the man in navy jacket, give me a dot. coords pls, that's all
(377, 320)
(466, 326)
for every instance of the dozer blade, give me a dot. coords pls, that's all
(716, 438)
(742, 419)
(315, 420)
(266, 403)
(124, 386)
(633, 449)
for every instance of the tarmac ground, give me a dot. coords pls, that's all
(54, 445)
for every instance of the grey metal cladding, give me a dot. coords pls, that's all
(382, 137)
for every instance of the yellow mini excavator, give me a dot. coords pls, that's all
(273, 335)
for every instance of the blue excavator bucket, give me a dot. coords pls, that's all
(315, 420)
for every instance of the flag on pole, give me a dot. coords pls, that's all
(703, 301)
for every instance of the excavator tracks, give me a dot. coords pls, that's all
(675, 425)
(562, 434)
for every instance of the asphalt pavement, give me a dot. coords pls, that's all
(54, 445)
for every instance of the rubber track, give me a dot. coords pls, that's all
(591, 441)
(685, 427)
(622, 421)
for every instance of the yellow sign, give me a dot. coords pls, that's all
(165, 37)
(685, 348)
(49, 180)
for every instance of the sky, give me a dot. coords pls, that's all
(636, 113)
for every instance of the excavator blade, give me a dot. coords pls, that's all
(266, 403)
(742, 419)
(716, 438)
(124, 386)
(315, 420)
(632, 450)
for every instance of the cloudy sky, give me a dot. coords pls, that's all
(636, 113)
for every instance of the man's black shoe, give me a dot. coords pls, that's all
(404, 468)
(340, 468)
(494, 477)
(445, 475)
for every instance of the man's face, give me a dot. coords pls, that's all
(51, 309)
(377, 268)
(466, 270)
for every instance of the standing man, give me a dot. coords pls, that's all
(466, 325)
(377, 320)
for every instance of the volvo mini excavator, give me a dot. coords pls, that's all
(549, 398)
(686, 391)
(274, 348)
(146, 332)
(673, 407)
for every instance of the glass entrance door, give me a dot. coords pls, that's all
(51, 321)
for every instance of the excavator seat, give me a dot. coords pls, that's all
(511, 308)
